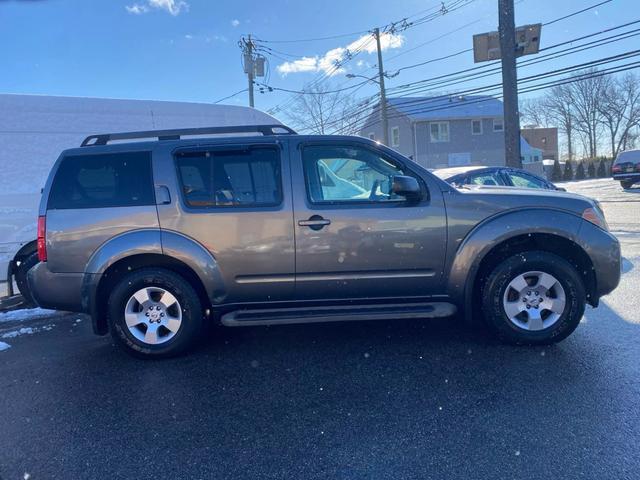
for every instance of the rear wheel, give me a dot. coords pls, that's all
(22, 269)
(626, 184)
(155, 313)
(533, 298)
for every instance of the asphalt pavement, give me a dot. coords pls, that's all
(371, 400)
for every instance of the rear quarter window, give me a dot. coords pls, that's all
(98, 181)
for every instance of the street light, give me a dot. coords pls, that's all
(351, 75)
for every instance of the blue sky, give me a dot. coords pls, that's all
(187, 50)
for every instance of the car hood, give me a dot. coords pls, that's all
(516, 197)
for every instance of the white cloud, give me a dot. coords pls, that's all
(188, 36)
(137, 9)
(327, 62)
(174, 7)
(235, 22)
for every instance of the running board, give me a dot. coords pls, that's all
(284, 316)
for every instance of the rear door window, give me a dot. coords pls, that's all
(241, 178)
(98, 181)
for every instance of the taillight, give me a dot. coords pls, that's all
(617, 168)
(637, 167)
(42, 239)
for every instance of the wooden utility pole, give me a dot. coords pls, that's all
(246, 45)
(507, 35)
(383, 94)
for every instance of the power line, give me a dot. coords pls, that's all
(576, 13)
(232, 95)
(372, 120)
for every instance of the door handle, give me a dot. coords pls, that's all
(315, 222)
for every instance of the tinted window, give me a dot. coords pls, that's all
(230, 178)
(95, 181)
(526, 181)
(348, 174)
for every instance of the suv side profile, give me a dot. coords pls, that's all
(156, 238)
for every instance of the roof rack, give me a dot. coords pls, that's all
(177, 134)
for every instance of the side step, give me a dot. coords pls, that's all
(283, 316)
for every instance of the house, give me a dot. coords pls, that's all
(528, 153)
(444, 131)
(545, 139)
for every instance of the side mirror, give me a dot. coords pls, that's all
(406, 186)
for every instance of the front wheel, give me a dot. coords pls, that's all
(155, 313)
(534, 298)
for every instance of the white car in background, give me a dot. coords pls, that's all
(34, 129)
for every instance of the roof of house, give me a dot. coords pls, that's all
(445, 107)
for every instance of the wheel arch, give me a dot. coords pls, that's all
(511, 234)
(143, 249)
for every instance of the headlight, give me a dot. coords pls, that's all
(595, 216)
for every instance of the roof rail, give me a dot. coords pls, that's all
(177, 134)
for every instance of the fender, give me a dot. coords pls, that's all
(199, 259)
(495, 230)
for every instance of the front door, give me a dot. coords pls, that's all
(356, 239)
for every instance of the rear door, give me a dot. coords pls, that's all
(353, 238)
(235, 200)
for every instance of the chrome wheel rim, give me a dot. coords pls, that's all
(153, 315)
(534, 300)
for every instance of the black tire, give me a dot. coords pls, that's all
(192, 314)
(497, 282)
(626, 184)
(26, 264)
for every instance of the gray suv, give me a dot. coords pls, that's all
(158, 237)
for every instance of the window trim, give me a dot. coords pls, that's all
(347, 204)
(481, 127)
(227, 148)
(494, 126)
(393, 142)
(431, 140)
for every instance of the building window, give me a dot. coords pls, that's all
(498, 125)
(395, 136)
(439, 131)
(372, 136)
(476, 127)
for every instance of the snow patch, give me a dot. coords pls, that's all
(4, 346)
(25, 314)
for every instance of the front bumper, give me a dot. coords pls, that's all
(603, 249)
(57, 291)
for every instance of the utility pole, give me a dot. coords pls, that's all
(383, 94)
(249, 68)
(507, 36)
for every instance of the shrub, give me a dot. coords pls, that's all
(602, 169)
(591, 170)
(580, 171)
(568, 171)
(556, 173)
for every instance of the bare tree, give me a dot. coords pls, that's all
(322, 109)
(586, 94)
(620, 110)
(553, 109)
